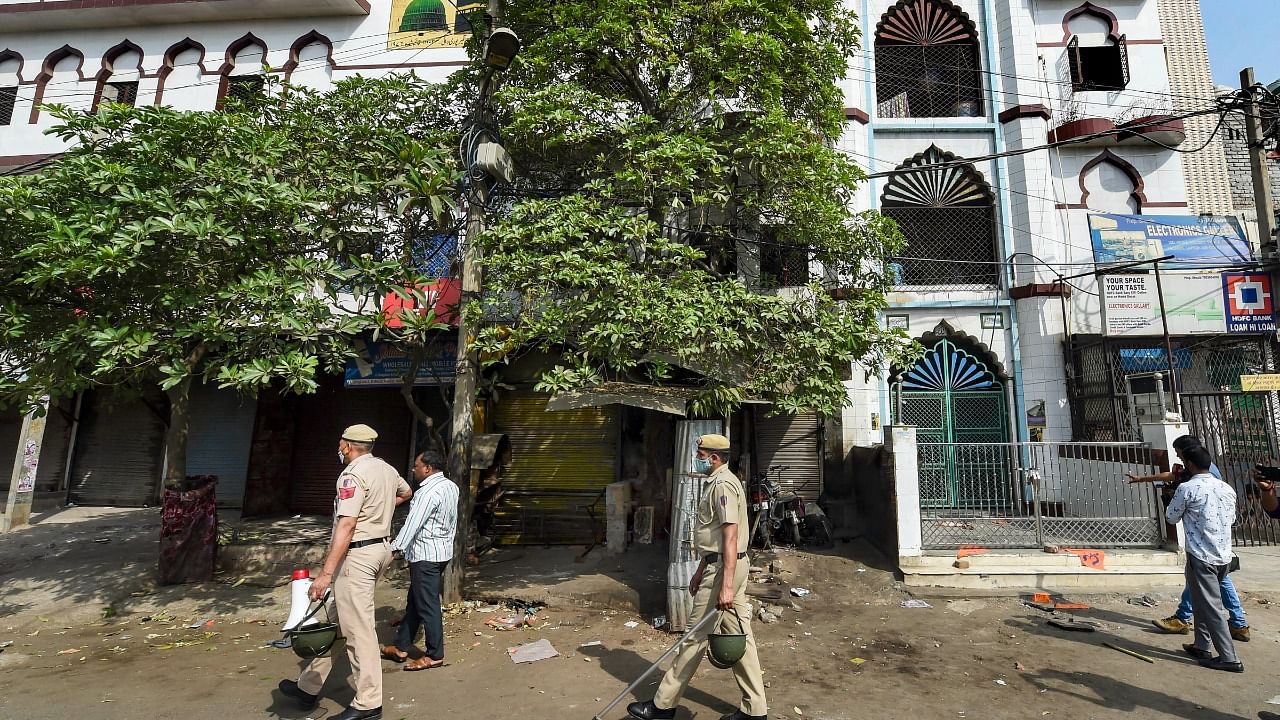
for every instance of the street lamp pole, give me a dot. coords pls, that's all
(497, 54)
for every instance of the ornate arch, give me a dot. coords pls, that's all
(1139, 194)
(108, 67)
(46, 74)
(169, 62)
(52, 59)
(926, 22)
(295, 50)
(984, 360)
(1088, 8)
(238, 46)
(7, 55)
(245, 42)
(954, 184)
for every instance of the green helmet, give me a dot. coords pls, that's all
(314, 641)
(724, 650)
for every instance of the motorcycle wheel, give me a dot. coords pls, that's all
(795, 533)
(824, 534)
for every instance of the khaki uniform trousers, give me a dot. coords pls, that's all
(746, 672)
(353, 592)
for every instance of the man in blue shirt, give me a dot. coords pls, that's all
(426, 539)
(1180, 622)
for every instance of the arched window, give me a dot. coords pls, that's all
(927, 62)
(1097, 54)
(10, 82)
(119, 76)
(948, 217)
(242, 76)
(310, 62)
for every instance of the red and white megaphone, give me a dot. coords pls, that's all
(299, 601)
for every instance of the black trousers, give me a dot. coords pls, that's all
(423, 609)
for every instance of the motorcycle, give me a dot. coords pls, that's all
(783, 516)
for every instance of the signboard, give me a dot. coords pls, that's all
(382, 365)
(1193, 304)
(443, 295)
(1260, 383)
(1249, 301)
(418, 24)
(1192, 240)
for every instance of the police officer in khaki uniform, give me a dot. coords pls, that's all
(368, 491)
(721, 537)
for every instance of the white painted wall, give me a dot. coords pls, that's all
(359, 47)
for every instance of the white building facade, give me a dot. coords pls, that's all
(980, 88)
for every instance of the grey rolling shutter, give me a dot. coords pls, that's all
(221, 436)
(795, 441)
(119, 453)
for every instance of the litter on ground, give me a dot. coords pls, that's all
(915, 604)
(533, 652)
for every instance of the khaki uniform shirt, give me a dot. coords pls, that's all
(367, 490)
(723, 502)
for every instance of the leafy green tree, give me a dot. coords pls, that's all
(676, 159)
(244, 247)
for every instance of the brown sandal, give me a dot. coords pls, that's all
(423, 663)
(392, 653)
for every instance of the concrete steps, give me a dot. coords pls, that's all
(1016, 570)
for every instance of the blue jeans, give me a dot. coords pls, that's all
(1230, 600)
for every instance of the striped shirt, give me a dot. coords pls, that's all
(433, 520)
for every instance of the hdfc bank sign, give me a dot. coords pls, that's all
(1250, 302)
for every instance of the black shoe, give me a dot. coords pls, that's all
(648, 711)
(305, 700)
(739, 715)
(1218, 663)
(1196, 652)
(353, 714)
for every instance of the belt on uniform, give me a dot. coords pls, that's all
(714, 558)
(362, 543)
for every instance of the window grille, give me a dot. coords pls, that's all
(949, 221)
(245, 88)
(120, 93)
(8, 99)
(927, 62)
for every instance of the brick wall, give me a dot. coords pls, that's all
(1236, 141)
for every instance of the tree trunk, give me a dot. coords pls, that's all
(175, 441)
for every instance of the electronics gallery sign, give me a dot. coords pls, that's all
(1194, 303)
(1198, 300)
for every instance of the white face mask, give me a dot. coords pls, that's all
(342, 458)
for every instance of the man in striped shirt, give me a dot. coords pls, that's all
(427, 543)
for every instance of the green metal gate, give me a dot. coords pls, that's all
(954, 399)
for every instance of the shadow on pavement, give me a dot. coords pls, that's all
(1114, 694)
(626, 666)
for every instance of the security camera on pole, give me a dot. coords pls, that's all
(483, 158)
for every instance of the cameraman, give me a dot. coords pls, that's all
(1180, 622)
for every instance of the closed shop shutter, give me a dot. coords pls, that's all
(321, 419)
(795, 441)
(221, 436)
(119, 453)
(52, 470)
(560, 463)
(10, 430)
